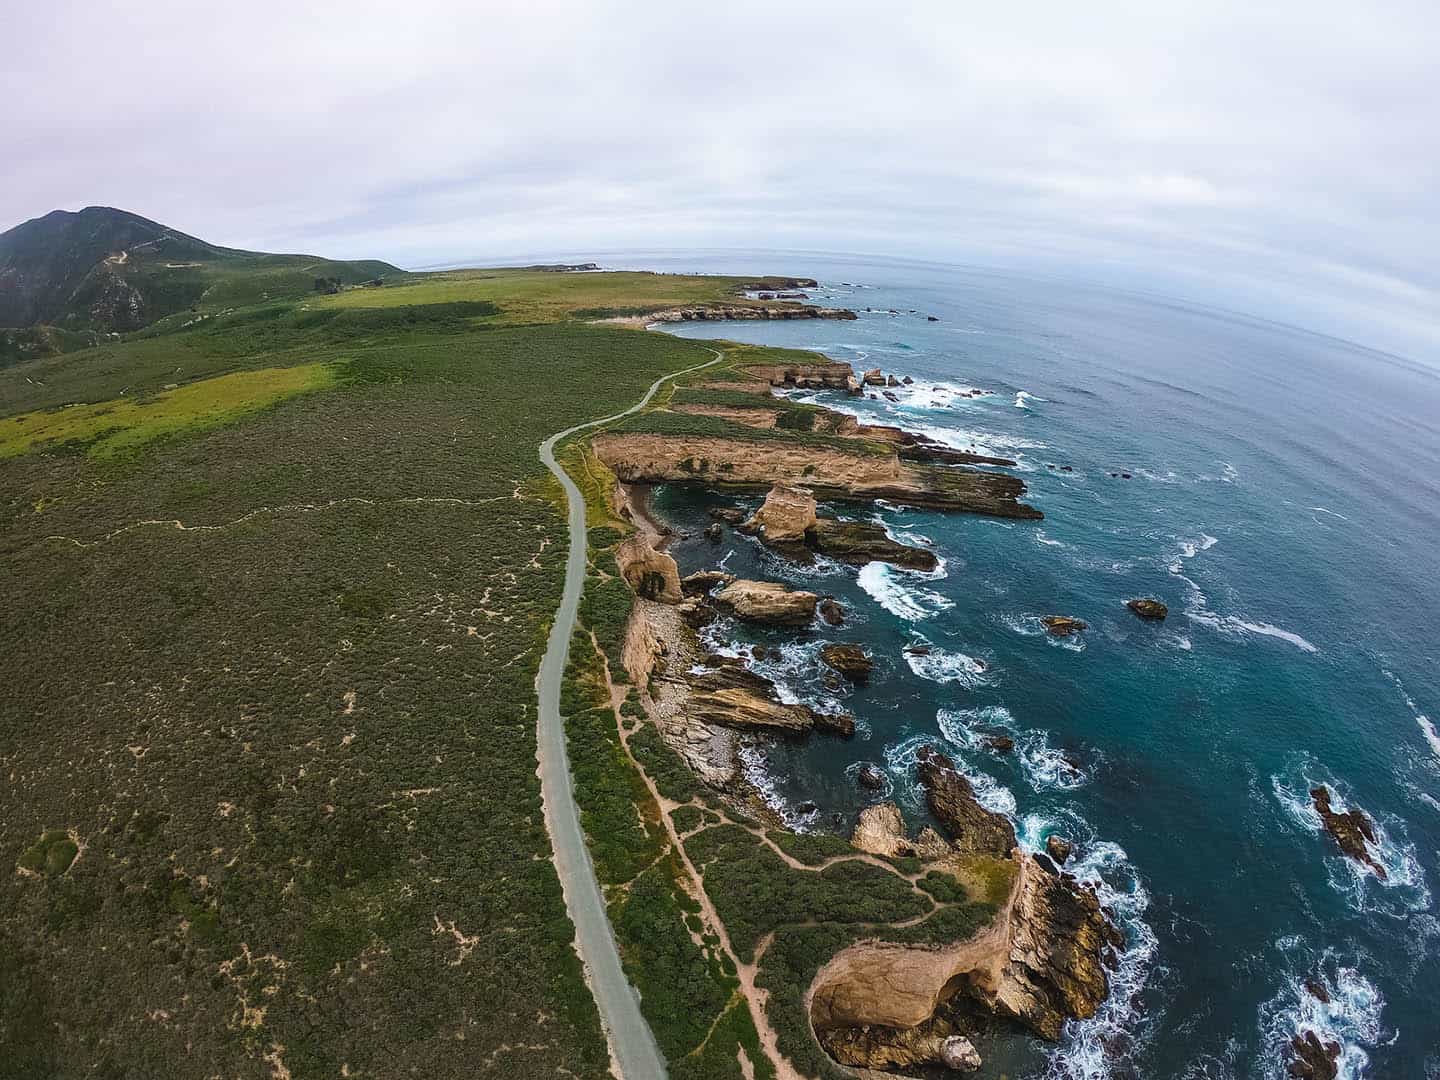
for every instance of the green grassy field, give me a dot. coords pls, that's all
(274, 587)
(270, 671)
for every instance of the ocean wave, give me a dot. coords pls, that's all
(1402, 891)
(989, 443)
(1197, 607)
(888, 588)
(1024, 398)
(941, 666)
(900, 759)
(1350, 1019)
(1423, 722)
(755, 768)
(1041, 538)
(1044, 767)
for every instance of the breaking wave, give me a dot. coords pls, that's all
(1044, 767)
(888, 588)
(1351, 1018)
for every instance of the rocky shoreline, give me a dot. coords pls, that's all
(1046, 956)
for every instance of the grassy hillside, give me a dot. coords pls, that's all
(101, 269)
(272, 599)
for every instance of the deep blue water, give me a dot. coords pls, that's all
(1284, 503)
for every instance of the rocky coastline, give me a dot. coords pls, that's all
(1046, 956)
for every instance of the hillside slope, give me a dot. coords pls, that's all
(105, 269)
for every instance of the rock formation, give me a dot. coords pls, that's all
(767, 602)
(731, 312)
(1353, 830)
(871, 776)
(830, 471)
(1062, 625)
(787, 514)
(1314, 1060)
(849, 660)
(1058, 848)
(702, 581)
(1147, 608)
(951, 799)
(652, 574)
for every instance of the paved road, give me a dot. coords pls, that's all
(631, 1041)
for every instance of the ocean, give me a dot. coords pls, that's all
(1284, 500)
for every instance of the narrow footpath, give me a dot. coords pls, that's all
(632, 1045)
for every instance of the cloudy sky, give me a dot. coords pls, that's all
(1281, 158)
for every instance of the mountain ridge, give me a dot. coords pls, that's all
(105, 269)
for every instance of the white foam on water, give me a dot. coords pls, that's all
(1423, 722)
(1197, 608)
(888, 588)
(942, 666)
(1041, 538)
(1044, 767)
(755, 768)
(1029, 625)
(1351, 1018)
(1094, 1049)
(1402, 891)
(989, 443)
(900, 760)
(1024, 398)
(1327, 510)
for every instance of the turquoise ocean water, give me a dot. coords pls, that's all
(1284, 501)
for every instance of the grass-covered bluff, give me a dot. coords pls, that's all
(274, 591)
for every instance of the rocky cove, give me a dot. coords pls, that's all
(1045, 954)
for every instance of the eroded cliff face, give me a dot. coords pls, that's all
(828, 471)
(879, 1005)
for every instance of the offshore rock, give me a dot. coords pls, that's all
(787, 513)
(951, 799)
(728, 313)
(862, 542)
(767, 602)
(873, 378)
(871, 776)
(1062, 625)
(848, 660)
(831, 613)
(1148, 609)
(1353, 830)
(652, 574)
(880, 830)
(1314, 1060)
(1058, 848)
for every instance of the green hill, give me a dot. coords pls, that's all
(106, 270)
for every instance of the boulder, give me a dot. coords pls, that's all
(652, 574)
(853, 386)
(831, 612)
(714, 533)
(848, 660)
(880, 830)
(907, 381)
(873, 378)
(951, 799)
(1353, 830)
(1314, 1060)
(959, 1054)
(767, 602)
(1001, 744)
(1318, 990)
(871, 776)
(861, 542)
(787, 513)
(931, 318)
(888, 396)
(728, 514)
(1147, 608)
(1062, 625)
(890, 380)
(1058, 848)
(702, 581)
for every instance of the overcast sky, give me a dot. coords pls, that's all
(1282, 158)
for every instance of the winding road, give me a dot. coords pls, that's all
(632, 1044)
